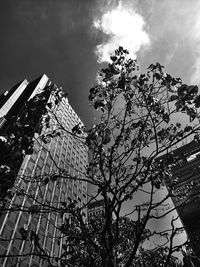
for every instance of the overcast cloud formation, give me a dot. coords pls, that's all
(173, 27)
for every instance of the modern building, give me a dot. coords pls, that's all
(95, 207)
(186, 190)
(43, 181)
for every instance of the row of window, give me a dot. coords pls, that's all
(63, 151)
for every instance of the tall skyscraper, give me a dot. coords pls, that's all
(43, 180)
(186, 190)
(95, 208)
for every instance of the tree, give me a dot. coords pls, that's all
(138, 124)
(17, 138)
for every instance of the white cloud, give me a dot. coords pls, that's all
(195, 78)
(122, 26)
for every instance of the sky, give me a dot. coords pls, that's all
(70, 39)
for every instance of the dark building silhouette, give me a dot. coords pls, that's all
(33, 184)
(186, 192)
(96, 207)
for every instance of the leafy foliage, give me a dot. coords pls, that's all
(88, 250)
(17, 139)
(138, 125)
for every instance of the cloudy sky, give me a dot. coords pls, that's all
(69, 39)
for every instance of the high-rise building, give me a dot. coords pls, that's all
(186, 189)
(43, 180)
(96, 207)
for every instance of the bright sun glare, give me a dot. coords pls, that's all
(122, 27)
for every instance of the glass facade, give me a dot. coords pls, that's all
(12, 99)
(186, 190)
(36, 188)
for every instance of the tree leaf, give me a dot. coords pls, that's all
(197, 101)
(173, 97)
